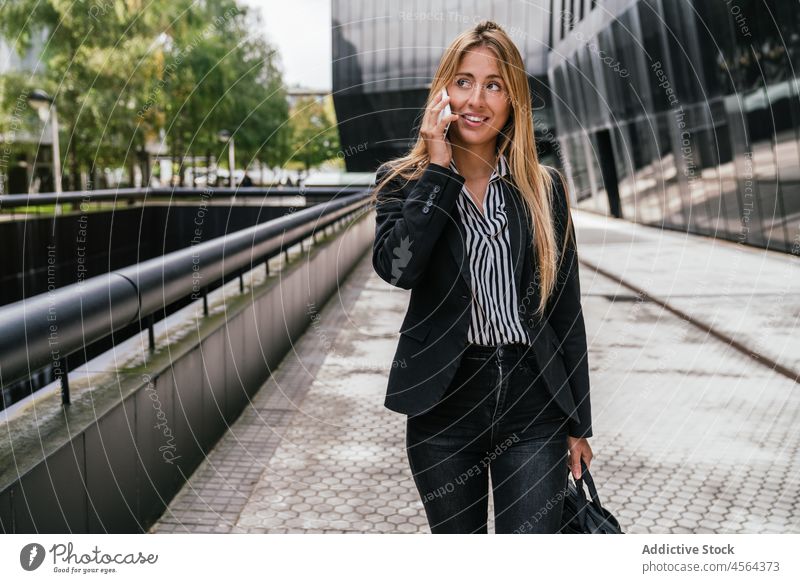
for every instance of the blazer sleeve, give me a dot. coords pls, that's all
(409, 220)
(565, 314)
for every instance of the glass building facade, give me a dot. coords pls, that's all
(385, 54)
(683, 114)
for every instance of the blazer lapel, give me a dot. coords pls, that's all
(456, 238)
(519, 233)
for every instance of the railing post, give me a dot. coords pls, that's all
(63, 379)
(151, 338)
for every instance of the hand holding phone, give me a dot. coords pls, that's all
(437, 115)
(446, 112)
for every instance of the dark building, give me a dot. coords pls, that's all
(682, 113)
(386, 52)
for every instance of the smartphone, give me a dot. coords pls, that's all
(445, 112)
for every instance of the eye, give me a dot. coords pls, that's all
(496, 85)
(464, 83)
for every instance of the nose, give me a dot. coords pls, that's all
(476, 98)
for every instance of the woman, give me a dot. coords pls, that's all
(491, 365)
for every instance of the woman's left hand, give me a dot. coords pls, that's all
(578, 448)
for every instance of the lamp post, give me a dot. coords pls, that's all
(226, 136)
(45, 106)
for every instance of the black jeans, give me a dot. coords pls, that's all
(495, 417)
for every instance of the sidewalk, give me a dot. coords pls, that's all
(748, 295)
(690, 435)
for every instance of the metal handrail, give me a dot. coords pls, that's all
(112, 194)
(46, 328)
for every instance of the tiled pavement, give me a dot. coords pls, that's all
(689, 434)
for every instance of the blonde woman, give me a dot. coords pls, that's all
(491, 365)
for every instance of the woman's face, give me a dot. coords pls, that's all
(478, 91)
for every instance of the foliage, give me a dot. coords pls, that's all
(126, 74)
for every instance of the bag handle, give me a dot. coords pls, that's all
(581, 502)
(589, 483)
(585, 475)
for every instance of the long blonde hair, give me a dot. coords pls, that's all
(515, 141)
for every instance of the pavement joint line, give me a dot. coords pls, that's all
(729, 340)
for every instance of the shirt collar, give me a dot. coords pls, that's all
(501, 169)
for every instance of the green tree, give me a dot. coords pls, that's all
(125, 72)
(315, 138)
(228, 79)
(98, 62)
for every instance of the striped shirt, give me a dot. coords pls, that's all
(495, 319)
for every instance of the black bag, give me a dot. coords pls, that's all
(581, 516)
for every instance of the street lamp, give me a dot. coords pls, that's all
(226, 136)
(45, 106)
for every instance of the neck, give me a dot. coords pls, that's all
(475, 161)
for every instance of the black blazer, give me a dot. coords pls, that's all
(419, 245)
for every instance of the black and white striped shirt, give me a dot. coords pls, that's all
(495, 319)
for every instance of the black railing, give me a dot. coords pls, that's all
(41, 331)
(9, 201)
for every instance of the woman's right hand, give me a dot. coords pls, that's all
(439, 149)
(579, 448)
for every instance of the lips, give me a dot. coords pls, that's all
(473, 121)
